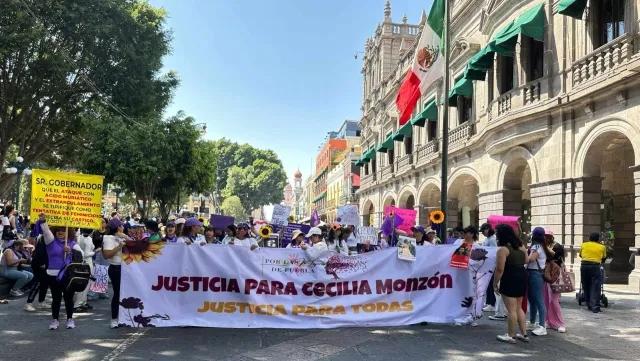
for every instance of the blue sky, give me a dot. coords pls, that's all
(277, 74)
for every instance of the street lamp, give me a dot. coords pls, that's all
(18, 167)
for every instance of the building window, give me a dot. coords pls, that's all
(432, 129)
(505, 73)
(608, 18)
(374, 165)
(533, 58)
(408, 145)
(465, 107)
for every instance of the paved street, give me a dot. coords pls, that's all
(612, 335)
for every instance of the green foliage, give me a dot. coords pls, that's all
(62, 60)
(256, 176)
(157, 160)
(232, 206)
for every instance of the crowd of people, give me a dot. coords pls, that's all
(34, 255)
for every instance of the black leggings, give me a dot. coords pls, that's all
(114, 275)
(58, 293)
(39, 287)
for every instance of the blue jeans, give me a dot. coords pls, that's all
(21, 277)
(535, 296)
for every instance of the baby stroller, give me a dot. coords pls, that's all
(604, 301)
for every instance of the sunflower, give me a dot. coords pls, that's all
(265, 231)
(142, 250)
(436, 217)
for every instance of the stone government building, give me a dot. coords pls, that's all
(544, 118)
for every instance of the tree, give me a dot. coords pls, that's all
(258, 184)
(232, 206)
(157, 160)
(60, 60)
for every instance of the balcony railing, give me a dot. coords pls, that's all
(367, 180)
(459, 135)
(515, 99)
(603, 60)
(386, 172)
(404, 163)
(531, 92)
(427, 152)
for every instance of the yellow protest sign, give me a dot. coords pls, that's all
(67, 199)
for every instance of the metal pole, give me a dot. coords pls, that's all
(18, 189)
(445, 127)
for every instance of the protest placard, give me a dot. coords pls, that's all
(67, 199)
(288, 231)
(407, 216)
(406, 248)
(367, 235)
(348, 215)
(280, 216)
(221, 222)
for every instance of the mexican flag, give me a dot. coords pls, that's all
(428, 63)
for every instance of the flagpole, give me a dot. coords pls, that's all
(445, 127)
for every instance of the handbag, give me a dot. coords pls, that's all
(564, 283)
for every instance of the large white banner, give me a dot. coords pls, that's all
(231, 286)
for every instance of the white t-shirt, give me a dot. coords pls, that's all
(542, 257)
(109, 243)
(200, 240)
(490, 241)
(318, 250)
(247, 242)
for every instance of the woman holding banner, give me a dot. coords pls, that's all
(242, 237)
(190, 233)
(112, 244)
(60, 243)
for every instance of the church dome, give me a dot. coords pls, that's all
(297, 174)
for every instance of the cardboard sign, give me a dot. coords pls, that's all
(348, 215)
(67, 199)
(288, 231)
(408, 217)
(280, 216)
(220, 221)
(367, 235)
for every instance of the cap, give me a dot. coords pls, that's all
(431, 230)
(244, 226)
(314, 231)
(192, 222)
(548, 232)
(537, 234)
(114, 223)
(180, 221)
(296, 233)
(418, 228)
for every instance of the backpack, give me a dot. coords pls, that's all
(75, 276)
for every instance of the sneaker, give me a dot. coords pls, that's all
(506, 338)
(489, 308)
(562, 329)
(71, 324)
(497, 318)
(54, 325)
(522, 338)
(539, 331)
(114, 323)
(532, 326)
(29, 307)
(44, 306)
(16, 293)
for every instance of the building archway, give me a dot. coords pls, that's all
(462, 199)
(429, 200)
(407, 199)
(516, 194)
(368, 213)
(608, 198)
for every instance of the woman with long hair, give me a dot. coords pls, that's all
(537, 259)
(554, 318)
(510, 281)
(112, 244)
(335, 242)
